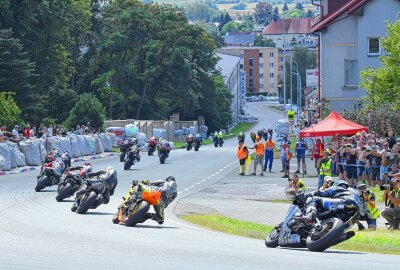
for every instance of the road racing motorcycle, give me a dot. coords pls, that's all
(131, 157)
(71, 181)
(163, 152)
(197, 144)
(50, 174)
(326, 229)
(152, 145)
(93, 193)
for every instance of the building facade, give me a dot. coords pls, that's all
(260, 66)
(229, 67)
(350, 40)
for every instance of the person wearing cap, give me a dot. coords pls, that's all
(301, 148)
(259, 151)
(325, 168)
(15, 133)
(327, 183)
(269, 153)
(317, 152)
(295, 184)
(391, 197)
(242, 154)
(368, 210)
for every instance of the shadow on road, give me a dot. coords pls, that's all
(99, 214)
(154, 226)
(47, 190)
(330, 251)
(67, 201)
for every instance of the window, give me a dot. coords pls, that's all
(271, 65)
(241, 66)
(261, 66)
(374, 47)
(271, 54)
(271, 86)
(261, 86)
(251, 83)
(251, 62)
(241, 55)
(251, 72)
(350, 69)
(260, 55)
(261, 75)
(271, 75)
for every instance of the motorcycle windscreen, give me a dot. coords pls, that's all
(293, 210)
(152, 196)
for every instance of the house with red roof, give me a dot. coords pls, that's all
(290, 31)
(350, 34)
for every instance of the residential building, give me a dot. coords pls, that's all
(260, 66)
(239, 39)
(229, 67)
(350, 39)
(290, 32)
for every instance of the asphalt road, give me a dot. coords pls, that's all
(36, 232)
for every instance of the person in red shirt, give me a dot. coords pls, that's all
(317, 152)
(27, 132)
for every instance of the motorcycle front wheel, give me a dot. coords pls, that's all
(121, 157)
(137, 214)
(272, 239)
(196, 147)
(66, 192)
(162, 158)
(128, 164)
(42, 183)
(86, 203)
(328, 236)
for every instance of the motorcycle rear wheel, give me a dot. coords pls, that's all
(162, 158)
(42, 183)
(137, 214)
(66, 192)
(332, 229)
(121, 157)
(87, 203)
(272, 239)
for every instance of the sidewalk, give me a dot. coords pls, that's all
(33, 168)
(247, 198)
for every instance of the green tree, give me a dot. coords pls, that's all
(87, 109)
(16, 71)
(200, 11)
(285, 7)
(309, 14)
(263, 42)
(294, 13)
(237, 27)
(276, 13)
(383, 84)
(10, 112)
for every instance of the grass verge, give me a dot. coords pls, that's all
(182, 144)
(234, 132)
(380, 241)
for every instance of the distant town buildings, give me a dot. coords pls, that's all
(239, 39)
(260, 66)
(350, 39)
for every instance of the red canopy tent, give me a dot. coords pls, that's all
(332, 125)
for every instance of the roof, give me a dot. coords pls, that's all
(349, 7)
(332, 125)
(288, 26)
(227, 64)
(239, 38)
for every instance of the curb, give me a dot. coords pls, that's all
(34, 168)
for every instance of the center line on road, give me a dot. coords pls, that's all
(186, 189)
(208, 177)
(179, 192)
(203, 180)
(198, 183)
(191, 186)
(221, 170)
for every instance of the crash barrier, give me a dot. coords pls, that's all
(33, 152)
(247, 119)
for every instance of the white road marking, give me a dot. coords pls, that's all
(191, 186)
(203, 180)
(208, 177)
(216, 173)
(198, 183)
(179, 192)
(221, 170)
(186, 189)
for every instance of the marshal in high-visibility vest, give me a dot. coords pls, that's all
(290, 115)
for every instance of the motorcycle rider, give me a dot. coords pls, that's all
(107, 177)
(167, 145)
(189, 139)
(221, 136)
(168, 189)
(340, 193)
(199, 138)
(152, 142)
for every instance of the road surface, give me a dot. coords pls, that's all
(36, 232)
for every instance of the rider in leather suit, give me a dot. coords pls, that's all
(340, 193)
(167, 188)
(106, 177)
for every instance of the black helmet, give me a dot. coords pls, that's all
(170, 178)
(341, 183)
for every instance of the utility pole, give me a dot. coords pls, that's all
(291, 84)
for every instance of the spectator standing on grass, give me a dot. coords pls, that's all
(242, 154)
(301, 148)
(15, 133)
(392, 197)
(369, 212)
(27, 132)
(258, 160)
(351, 164)
(269, 154)
(317, 152)
(286, 156)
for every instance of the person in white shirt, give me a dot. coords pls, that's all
(50, 131)
(15, 132)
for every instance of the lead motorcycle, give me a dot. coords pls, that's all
(93, 193)
(197, 143)
(131, 157)
(163, 152)
(71, 182)
(326, 229)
